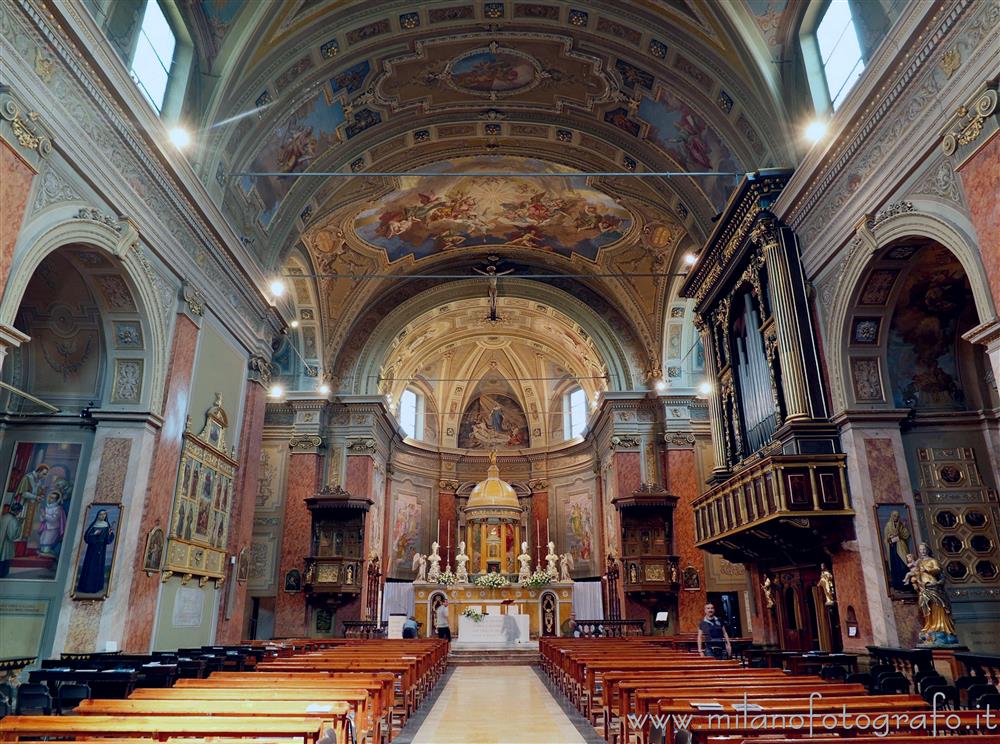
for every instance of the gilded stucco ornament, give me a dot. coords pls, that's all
(967, 125)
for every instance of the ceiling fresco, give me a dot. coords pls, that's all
(510, 88)
(430, 214)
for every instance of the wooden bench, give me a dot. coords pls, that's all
(301, 730)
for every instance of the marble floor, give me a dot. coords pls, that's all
(496, 705)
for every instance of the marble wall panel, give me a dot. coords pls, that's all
(303, 480)
(849, 580)
(15, 184)
(683, 483)
(448, 514)
(628, 471)
(160, 493)
(883, 470)
(981, 181)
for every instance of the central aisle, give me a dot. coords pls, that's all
(496, 705)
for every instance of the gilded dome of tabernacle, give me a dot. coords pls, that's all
(493, 492)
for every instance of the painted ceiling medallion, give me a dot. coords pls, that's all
(493, 72)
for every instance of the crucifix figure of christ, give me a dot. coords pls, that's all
(491, 277)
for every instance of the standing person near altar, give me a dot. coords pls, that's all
(441, 621)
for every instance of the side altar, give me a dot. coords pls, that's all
(488, 602)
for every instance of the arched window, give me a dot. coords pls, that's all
(833, 55)
(154, 55)
(411, 414)
(575, 406)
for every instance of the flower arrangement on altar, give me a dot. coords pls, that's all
(537, 580)
(492, 581)
(473, 614)
(447, 578)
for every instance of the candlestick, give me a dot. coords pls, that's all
(538, 540)
(548, 537)
(439, 532)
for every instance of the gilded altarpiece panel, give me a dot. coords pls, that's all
(203, 501)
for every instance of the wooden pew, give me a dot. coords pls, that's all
(301, 730)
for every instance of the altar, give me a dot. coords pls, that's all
(493, 630)
(537, 611)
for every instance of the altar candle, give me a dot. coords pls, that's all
(439, 532)
(548, 537)
(538, 540)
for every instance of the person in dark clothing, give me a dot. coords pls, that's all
(712, 635)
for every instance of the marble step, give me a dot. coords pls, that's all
(485, 657)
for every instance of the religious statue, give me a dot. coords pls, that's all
(768, 597)
(524, 573)
(461, 572)
(565, 564)
(550, 561)
(491, 277)
(420, 566)
(826, 584)
(925, 577)
(435, 560)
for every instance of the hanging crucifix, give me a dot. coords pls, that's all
(491, 277)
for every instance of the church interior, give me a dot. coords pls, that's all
(361, 362)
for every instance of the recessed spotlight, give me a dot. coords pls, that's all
(690, 259)
(815, 130)
(277, 288)
(180, 137)
(705, 389)
(276, 391)
(294, 324)
(324, 389)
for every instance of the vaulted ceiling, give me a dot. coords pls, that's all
(506, 88)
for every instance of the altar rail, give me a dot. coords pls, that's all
(364, 629)
(610, 628)
(981, 666)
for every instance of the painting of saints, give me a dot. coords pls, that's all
(406, 530)
(896, 545)
(580, 528)
(493, 421)
(205, 507)
(95, 565)
(52, 526)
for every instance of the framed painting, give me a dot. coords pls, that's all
(243, 565)
(96, 559)
(153, 555)
(898, 545)
(35, 508)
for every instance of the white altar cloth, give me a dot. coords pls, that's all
(493, 629)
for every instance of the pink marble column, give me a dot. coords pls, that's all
(359, 479)
(241, 522)
(304, 470)
(16, 176)
(163, 477)
(981, 181)
(682, 481)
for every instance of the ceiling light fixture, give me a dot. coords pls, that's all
(180, 137)
(661, 386)
(690, 259)
(324, 389)
(705, 389)
(815, 130)
(276, 391)
(277, 288)
(294, 324)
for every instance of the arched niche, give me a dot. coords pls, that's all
(108, 255)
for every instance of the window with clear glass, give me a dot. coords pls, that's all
(154, 55)
(408, 404)
(840, 51)
(577, 401)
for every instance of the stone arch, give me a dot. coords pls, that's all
(902, 220)
(120, 240)
(621, 371)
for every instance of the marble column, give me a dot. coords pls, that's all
(304, 476)
(448, 514)
(539, 521)
(972, 140)
(16, 176)
(359, 480)
(786, 317)
(119, 473)
(682, 482)
(230, 628)
(159, 495)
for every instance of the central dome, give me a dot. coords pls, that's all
(493, 493)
